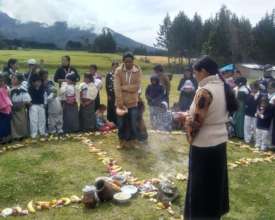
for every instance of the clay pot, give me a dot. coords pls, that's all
(89, 197)
(105, 192)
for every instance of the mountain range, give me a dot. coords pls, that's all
(59, 33)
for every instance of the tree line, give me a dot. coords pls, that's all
(225, 37)
(103, 43)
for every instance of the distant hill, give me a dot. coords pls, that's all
(59, 33)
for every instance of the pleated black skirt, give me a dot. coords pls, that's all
(207, 188)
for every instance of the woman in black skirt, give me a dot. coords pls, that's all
(207, 189)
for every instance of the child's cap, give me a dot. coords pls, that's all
(32, 61)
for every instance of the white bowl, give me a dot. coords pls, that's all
(122, 197)
(129, 189)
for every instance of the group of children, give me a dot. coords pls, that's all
(254, 122)
(34, 106)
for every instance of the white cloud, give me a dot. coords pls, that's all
(138, 19)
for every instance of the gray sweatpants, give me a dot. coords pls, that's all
(55, 123)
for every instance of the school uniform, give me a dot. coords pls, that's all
(37, 113)
(264, 118)
(5, 113)
(68, 96)
(111, 108)
(251, 102)
(19, 123)
(87, 118)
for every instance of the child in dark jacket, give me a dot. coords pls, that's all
(264, 118)
(37, 112)
(155, 94)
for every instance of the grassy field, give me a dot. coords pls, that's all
(80, 60)
(56, 169)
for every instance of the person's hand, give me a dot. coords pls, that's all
(180, 116)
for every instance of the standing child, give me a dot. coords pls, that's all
(88, 93)
(271, 92)
(21, 100)
(5, 111)
(69, 101)
(264, 117)
(155, 94)
(187, 87)
(37, 113)
(241, 92)
(251, 102)
(55, 112)
(111, 108)
(98, 83)
(48, 85)
(102, 124)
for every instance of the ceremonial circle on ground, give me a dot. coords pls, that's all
(47, 176)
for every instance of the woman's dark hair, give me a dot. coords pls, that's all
(11, 62)
(67, 58)
(210, 66)
(207, 64)
(128, 55)
(94, 66)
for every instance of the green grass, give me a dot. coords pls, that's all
(61, 168)
(52, 59)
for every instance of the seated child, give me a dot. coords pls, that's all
(264, 118)
(164, 118)
(37, 113)
(5, 111)
(102, 124)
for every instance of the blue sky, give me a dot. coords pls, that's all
(138, 19)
